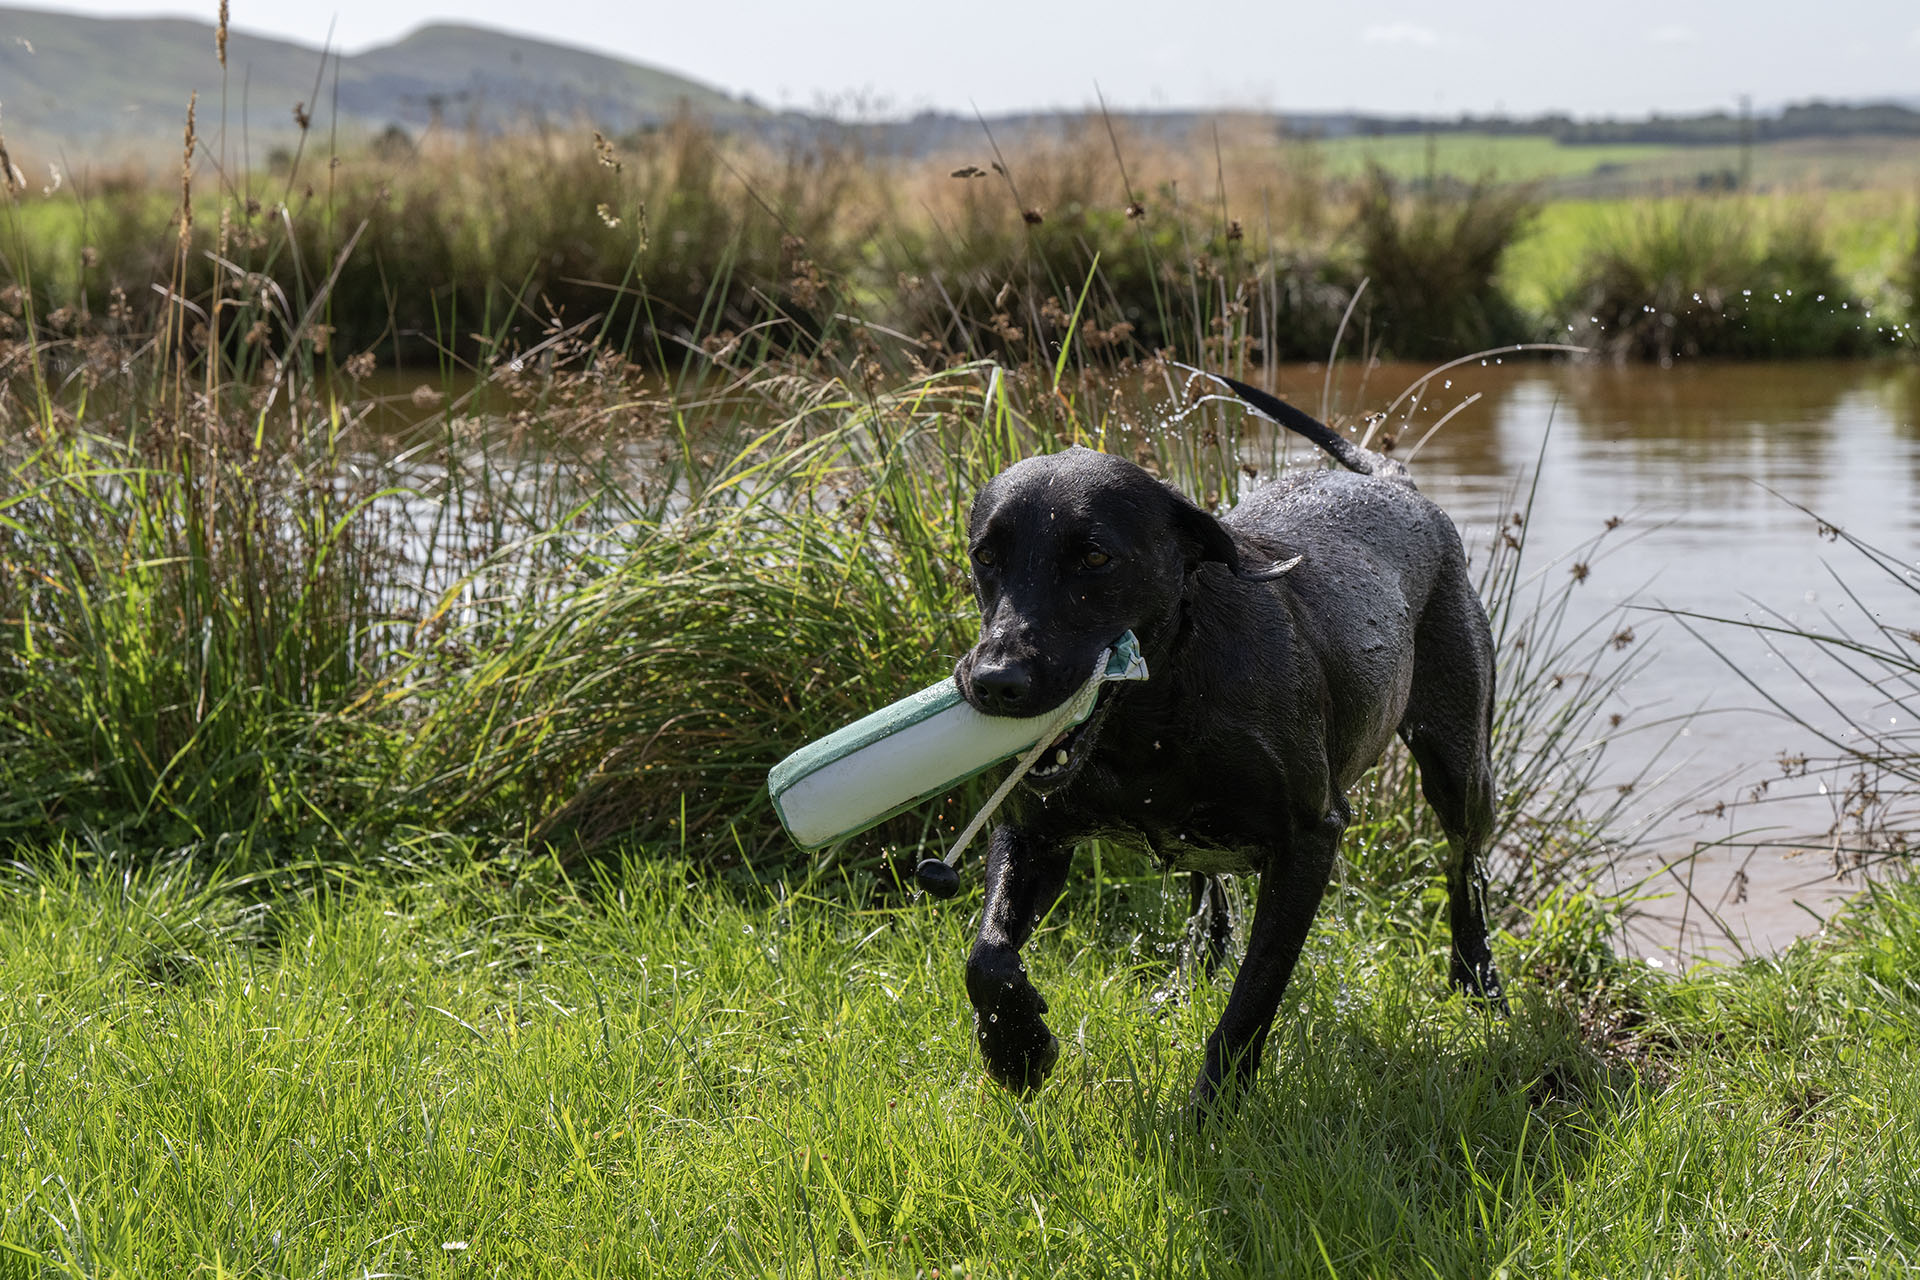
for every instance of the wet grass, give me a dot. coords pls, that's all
(504, 1072)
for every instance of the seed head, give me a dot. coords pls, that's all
(186, 173)
(603, 152)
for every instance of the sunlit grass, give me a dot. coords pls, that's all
(1870, 235)
(659, 1075)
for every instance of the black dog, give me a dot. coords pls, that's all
(1287, 642)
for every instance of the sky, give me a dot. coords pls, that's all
(896, 57)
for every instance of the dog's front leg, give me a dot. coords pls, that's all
(1024, 877)
(1290, 890)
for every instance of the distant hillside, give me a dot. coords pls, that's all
(95, 87)
(70, 82)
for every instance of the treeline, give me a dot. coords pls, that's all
(1712, 128)
(935, 132)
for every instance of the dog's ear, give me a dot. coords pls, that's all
(1206, 539)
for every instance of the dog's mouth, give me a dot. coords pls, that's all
(1065, 755)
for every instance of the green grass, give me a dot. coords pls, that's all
(1623, 169)
(663, 1076)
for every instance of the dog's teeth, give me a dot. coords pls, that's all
(1060, 757)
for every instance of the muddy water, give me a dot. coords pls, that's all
(1701, 466)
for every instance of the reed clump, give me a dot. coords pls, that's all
(1694, 277)
(572, 608)
(458, 249)
(1234, 247)
(1004, 261)
(1432, 258)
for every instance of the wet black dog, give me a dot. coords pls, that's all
(1287, 642)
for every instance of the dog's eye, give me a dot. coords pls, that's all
(983, 556)
(1095, 558)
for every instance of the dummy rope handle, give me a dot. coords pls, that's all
(937, 875)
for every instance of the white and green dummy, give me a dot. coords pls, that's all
(922, 745)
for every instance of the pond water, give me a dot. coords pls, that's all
(1701, 465)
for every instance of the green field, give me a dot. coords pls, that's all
(1473, 155)
(1620, 169)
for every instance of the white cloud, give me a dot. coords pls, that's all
(1673, 33)
(1400, 33)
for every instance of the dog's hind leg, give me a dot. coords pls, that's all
(1448, 726)
(1209, 922)
(1462, 795)
(1024, 877)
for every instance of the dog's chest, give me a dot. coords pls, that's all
(1190, 802)
(1183, 851)
(1183, 832)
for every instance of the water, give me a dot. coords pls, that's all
(1700, 464)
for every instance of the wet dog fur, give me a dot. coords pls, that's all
(1288, 641)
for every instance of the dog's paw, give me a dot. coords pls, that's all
(1224, 1077)
(1018, 1057)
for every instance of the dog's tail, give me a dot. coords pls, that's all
(1342, 450)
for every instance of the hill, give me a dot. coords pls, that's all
(76, 83)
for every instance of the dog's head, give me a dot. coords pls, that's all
(1068, 551)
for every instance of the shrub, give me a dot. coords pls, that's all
(1432, 261)
(1688, 278)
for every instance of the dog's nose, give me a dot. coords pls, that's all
(1001, 687)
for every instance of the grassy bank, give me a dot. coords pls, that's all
(1241, 246)
(469, 1075)
(578, 605)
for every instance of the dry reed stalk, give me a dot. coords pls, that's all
(220, 36)
(186, 175)
(10, 177)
